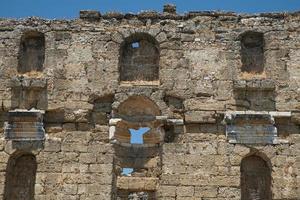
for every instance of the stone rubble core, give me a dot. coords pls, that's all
(216, 94)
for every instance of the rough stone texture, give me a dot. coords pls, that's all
(200, 78)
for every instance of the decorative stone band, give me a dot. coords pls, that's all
(251, 127)
(137, 183)
(24, 125)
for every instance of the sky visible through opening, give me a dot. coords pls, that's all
(69, 9)
(137, 135)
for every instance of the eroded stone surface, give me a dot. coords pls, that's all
(200, 78)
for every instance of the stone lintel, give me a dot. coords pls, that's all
(135, 146)
(137, 183)
(176, 122)
(272, 113)
(163, 119)
(28, 82)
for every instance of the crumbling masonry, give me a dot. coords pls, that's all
(217, 93)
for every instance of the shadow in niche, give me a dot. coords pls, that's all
(255, 178)
(139, 58)
(20, 177)
(31, 52)
(252, 52)
(29, 90)
(102, 108)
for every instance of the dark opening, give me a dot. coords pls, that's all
(32, 52)
(20, 177)
(252, 52)
(135, 195)
(102, 109)
(137, 161)
(255, 179)
(139, 58)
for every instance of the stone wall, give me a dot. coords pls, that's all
(194, 69)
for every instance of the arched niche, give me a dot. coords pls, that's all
(31, 52)
(20, 177)
(252, 52)
(255, 179)
(137, 109)
(139, 58)
(138, 112)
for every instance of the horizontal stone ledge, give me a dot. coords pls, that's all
(28, 82)
(251, 112)
(133, 146)
(258, 141)
(114, 121)
(137, 183)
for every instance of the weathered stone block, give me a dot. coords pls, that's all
(200, 117)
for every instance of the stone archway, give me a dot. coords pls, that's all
(20, 177)
(255, 179)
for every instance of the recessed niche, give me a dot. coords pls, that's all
(31, 52)
(255, 179)
(252, 52)
(139, 58)
(20, 177)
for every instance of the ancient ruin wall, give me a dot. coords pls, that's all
(191, 78)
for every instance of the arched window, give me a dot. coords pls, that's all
(255, 179)
(20, 177)
(32, 52)
(139, 58)
(252, 52)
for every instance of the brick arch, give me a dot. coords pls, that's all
(31, 52)
(20, 177)
(139, 58)
(255, 178)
